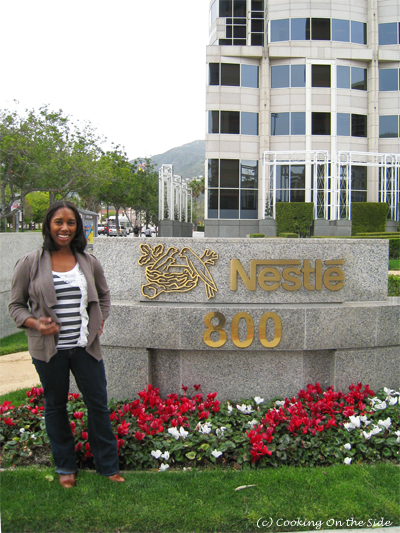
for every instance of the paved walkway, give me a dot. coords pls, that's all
(17, 372)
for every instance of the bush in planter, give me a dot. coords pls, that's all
(257, 236)
(289, 235)
(294, 217)
(368, 217)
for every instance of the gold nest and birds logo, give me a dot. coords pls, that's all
(176, 271)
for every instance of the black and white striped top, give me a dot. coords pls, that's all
(71, 294)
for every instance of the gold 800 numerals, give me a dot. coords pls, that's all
(222, 335)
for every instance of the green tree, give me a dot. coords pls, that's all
(36, 205)
(118, 180)
(146, 198)
(44, 151)
(197, 187)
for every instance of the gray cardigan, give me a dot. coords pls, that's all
(33, 295)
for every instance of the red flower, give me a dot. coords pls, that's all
(84, 435)
(197, 387)
(8, 421)
(79, 415)
(123, 429)
(184, 388)
(6, 407)
(139, 436)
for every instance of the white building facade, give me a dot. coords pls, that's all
(302, 105)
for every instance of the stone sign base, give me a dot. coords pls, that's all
(334, 345)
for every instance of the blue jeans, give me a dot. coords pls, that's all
(91, 379)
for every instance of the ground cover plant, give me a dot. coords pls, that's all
(313, 428)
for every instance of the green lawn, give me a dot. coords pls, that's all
(283, 499)
(18, 342)
(394, 264)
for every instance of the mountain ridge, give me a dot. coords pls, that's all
(187, 160)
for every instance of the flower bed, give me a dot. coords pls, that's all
(314, 428)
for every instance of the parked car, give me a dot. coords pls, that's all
(102, 230)
(112, 231)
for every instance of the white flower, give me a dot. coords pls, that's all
(393, 401)
(230, 408)
(366, 435)
(156, 453)
(163, 467)
(280, 403)
(355, 420)
(397, 433)
(174, 432)
(22, 430)
(365, 420)
(252, 423)
(205, 428)
(246, 409)
(348, 460)
(347, 446)
(216, 453)
(385, 423)
(354, 423)
(380, 406)
(165, 455)
(388, 392)
(183, 433)
(220, 430)
(258, 400)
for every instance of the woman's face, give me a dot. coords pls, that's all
(63, 227)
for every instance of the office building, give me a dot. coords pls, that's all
(302, 105)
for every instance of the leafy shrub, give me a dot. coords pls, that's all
(294, 217)
(200, 228)
(257, 236)
(289, 235)
(394, 285)
(314, 428)
(368, 217)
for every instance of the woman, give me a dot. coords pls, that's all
(60, 296)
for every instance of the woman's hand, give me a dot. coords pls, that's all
(101, 328)
(43, 325)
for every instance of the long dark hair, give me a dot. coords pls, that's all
(78, 243)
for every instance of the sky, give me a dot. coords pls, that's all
(135, 69)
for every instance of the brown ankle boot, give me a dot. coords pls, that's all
(67, 480)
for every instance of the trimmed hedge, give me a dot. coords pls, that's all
(394, 285)
(368, 217)
(294, 217)
(289, 235)
(200, 228)
(257, 236)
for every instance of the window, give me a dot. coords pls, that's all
(213, 73)
(358, 125)
(279, 76)
(232, 189)
(279, 30)
(213, 122)
(298, 76)
(248, 123)
(298, 123)
(388, 126)
(343, 124)
(279, 123)
(249, 76)
(230, 122)
(359, 78)
(358, 32)
(358, 184)
(388, 33)
(213, 12)
(300, 29)
(320, 123)
(320, 29)
(388, 79)
(321, 75)
(340, 30)
(290, 183)
(343, 77)
(230, 74)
